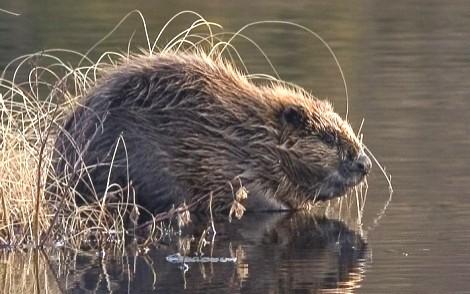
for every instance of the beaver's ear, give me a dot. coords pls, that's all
(293, 116)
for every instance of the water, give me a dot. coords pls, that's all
(407, 68)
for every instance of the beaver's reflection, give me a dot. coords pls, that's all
(275, 253)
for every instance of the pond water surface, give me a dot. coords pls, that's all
(407, 64)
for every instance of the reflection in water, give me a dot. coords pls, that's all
(27, 272)
(274, 253)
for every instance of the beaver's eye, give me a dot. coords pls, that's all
(293, 116)
(329, 139)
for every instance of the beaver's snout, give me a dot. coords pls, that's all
(361, 165)
(356, 168)
(350, 173)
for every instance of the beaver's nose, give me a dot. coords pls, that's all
(362, 164)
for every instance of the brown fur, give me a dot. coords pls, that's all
(190, 125)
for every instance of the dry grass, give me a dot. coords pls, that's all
(38, 91)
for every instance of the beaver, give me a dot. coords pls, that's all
(175, 127)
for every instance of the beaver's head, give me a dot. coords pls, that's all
(319, 153)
